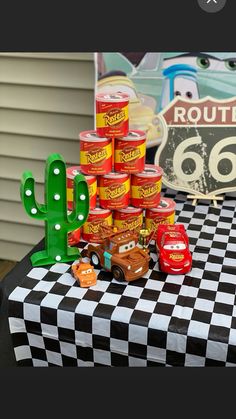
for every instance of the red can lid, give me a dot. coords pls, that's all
(112, 97)
(150, 170)
(130, 210)
(134, 135)
(97, 211)
(72, 171)
(166, 204)
(115, 175)
(91, 136)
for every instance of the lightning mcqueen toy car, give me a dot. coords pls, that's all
(173, 247)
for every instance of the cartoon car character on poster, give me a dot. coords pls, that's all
(173, 247)
(209, 74)
(180, 80)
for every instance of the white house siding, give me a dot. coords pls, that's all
(46, 99)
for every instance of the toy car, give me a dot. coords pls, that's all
(119, 254)
(84, 274)
(180, 80)
(173, 247)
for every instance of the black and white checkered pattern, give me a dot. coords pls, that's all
(158, 320)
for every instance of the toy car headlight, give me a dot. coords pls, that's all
(187, 263)
(166, 264)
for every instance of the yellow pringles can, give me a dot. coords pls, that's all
(131, 218)
(96, 219)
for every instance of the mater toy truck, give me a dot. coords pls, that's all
(119, 254)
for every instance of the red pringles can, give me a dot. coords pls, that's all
(163, 214)
(112, 117)
(130, 152)
(130, 217)
(74, 237)
(71, 172)
(97, 218)
(114, 190)
(95, 153)
(146, 187)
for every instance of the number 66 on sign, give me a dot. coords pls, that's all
(198, 150)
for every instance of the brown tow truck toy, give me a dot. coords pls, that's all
(119, 254)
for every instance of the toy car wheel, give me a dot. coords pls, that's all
(95, 261)
(118, 274)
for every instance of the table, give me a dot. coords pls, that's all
(158, 320)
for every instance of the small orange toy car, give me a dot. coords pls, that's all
(84, 273)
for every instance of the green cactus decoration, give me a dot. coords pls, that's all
(58, 223)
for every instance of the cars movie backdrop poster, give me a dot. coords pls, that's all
(154, 80)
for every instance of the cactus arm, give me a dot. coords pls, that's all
(55, 189)
(81, 203)
(27, 191)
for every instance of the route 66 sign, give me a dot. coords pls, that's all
(198, 150)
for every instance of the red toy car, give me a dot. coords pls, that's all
(173, 247)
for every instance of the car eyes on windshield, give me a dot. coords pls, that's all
(203, 62)
(127, 246)
(231, 65)
(180, 246)
(88, 271)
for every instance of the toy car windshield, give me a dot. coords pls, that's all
(128, 246)
(174, 246)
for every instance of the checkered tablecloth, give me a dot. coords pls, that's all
(158, 320)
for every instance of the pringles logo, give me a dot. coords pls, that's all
(115, 191)
(129, 154)
(114, 117)
(132, 223)
(148, 190)
(96, 155)
(94, 227)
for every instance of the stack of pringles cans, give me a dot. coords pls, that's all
(123, 190)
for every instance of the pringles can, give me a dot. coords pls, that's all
(146, 187)
(163, 214)
(130, 218)
(74, 237)
(71, 172)
(114, 190)
(112, 117)
(130, 152)
(96, 219)
(95, 153)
